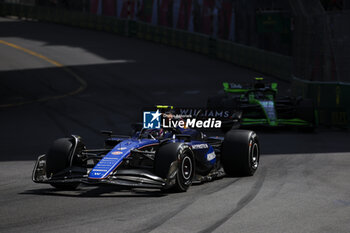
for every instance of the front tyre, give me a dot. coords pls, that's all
(240, 153)
(57, 159)
(175, 162)
(185, 172)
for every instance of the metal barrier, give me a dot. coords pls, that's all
(332, 99)
(252, 58)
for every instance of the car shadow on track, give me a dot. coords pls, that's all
(96, 192)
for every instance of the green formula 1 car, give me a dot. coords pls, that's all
(260, 106)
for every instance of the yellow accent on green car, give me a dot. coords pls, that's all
(165, 106)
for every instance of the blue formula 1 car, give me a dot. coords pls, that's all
(165, 158)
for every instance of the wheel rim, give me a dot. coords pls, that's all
(186, 167)
(255, 155)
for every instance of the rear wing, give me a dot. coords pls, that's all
(257, 85)
(234, 88)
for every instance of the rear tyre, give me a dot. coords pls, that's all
(226, 128)
(240, 153)
(57, 159)
(178, 153)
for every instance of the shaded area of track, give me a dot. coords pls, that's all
(295, 190)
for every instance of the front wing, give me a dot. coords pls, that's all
(134, 178)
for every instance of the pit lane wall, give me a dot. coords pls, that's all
(256, 59)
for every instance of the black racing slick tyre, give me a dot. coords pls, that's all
(57, 159)
(240, 153)
(175, 162)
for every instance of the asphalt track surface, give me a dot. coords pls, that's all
(302, 184)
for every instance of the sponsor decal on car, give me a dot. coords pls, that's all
(117, 153)
(211, 156)
(200, 146)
